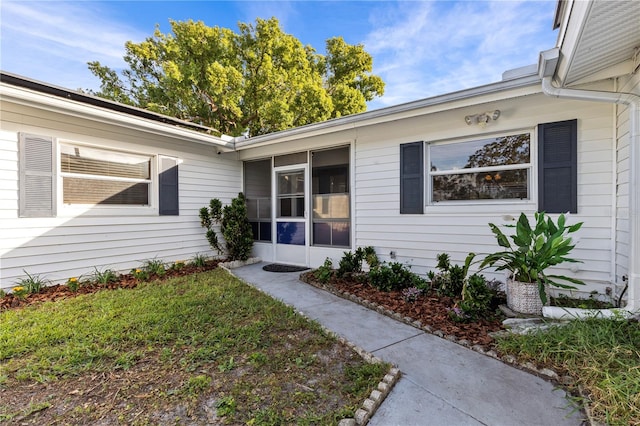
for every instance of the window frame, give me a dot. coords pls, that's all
(150, 209)
(484, 205)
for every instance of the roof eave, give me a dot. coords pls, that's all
(78, 108)
(413, 108)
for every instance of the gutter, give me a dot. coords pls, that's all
(546, 66)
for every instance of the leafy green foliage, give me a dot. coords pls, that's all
(351, 263)
(258, 79)
(104, 277)
(477, 297)
(32, 284)
(450, 279)
(534, 250)
(199, 260)
(324, 272)
(234, 226)
(600, 354)
(155, 267)
(394, 276)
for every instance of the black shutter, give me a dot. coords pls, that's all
(558, 167)
(168, 197)
(37, 166)
(412, 178)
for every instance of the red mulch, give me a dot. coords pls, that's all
(61, 291)
(430, 309)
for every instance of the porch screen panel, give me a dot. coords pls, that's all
(331, 197)
(257, 190)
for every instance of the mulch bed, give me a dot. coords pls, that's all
(62, 291)
(430, 309)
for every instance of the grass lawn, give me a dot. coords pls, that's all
(200, 349)
(603, 356)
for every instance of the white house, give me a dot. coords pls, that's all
(412, 180)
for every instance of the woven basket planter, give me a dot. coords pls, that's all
(524, 297)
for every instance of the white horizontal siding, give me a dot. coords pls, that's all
(629, 84)
(75, 244)
(458, 230)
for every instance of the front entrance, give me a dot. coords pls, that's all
(291, 229)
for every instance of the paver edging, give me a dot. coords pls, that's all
(369, 405)
(545, 373)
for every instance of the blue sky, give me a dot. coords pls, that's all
(419, 48)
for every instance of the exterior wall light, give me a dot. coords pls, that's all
(483, 118)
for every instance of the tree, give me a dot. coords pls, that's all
(259, 79)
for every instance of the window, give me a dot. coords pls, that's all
(257, 190)
(486, 169)
(331, 201)
(100, 176)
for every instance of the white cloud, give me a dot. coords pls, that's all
(423, 49)
(53, 41)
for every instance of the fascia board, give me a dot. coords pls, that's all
(80, 110)
(576, 18)
(455, 100)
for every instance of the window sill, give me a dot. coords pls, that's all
(487, 207)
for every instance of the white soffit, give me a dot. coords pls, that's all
(609, 37)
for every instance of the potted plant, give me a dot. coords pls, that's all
(533, 251)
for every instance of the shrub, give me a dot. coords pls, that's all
(451, 278)
(393, 276)
(234, 226)
(324, 272)
(476, 297)
(351, 263)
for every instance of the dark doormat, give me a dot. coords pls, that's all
(279, 267)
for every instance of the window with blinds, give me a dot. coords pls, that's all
(100, 176)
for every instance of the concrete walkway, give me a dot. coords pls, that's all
(442, 382)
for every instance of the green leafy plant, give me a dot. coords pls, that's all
(19, 291)
(178, 265)
(154, 267)
(33, 283)
(234, 227)
(140, 274)
(351, 262)
(2, 293)
(393, 276)
(199, 260)
(477, 297)
(535, 249)
(450, 279)
(73, 283)
(226, 406)
(324, 272)
(105, 277)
